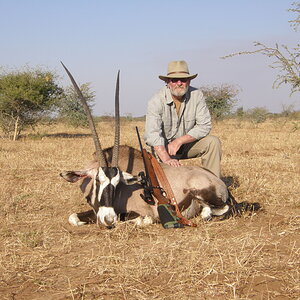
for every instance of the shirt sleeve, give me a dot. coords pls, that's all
(202, 125)
(153, 127)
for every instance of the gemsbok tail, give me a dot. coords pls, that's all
(237, 209)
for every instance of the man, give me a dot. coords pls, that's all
(178, 122)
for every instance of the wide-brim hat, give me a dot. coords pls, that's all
(177, 69)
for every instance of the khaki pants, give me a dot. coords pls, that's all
(207, 148)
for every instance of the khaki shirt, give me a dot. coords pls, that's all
(163, 124)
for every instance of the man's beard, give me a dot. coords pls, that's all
(178, 91)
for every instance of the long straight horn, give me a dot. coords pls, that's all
(115, 156)
(99, 151)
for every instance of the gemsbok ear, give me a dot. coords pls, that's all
(73, 176)
(128, 178)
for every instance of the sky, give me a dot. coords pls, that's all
(95, 39)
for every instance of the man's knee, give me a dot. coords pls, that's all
(210, 142)
(204, 146)
(213, 141)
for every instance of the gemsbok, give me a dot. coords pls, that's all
(111, 186)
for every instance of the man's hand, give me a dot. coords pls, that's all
(173, 162)
(174, 146)
(161, 151)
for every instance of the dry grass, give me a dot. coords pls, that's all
(42, 257)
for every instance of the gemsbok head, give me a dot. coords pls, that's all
(105, 178)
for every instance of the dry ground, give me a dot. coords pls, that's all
(251, 257)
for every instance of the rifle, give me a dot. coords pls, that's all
(145, 180)
(165, 210)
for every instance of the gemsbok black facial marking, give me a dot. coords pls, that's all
(106, 182)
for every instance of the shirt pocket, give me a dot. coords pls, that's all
(189, 123)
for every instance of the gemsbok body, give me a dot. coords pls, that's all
(111, 187)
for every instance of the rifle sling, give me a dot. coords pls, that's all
(156, 189)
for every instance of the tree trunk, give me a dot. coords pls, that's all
(16, 135)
